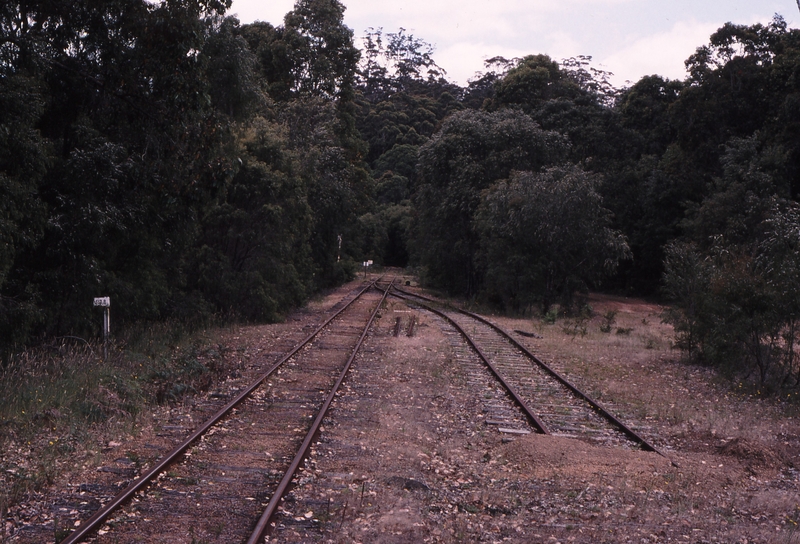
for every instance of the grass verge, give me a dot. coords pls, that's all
(53, 398)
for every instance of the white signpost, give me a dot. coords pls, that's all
(105, 303)
(366, 264)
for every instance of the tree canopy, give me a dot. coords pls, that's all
(189, 166)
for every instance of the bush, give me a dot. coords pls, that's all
(737, 307)
(546, 236)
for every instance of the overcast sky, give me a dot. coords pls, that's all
(630, 38)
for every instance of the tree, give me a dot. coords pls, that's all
(779, 260)
(734, 286)
(396, 62)
(730, 311)
(24, 159)
(320, 48)
(254, 260)
(471, 151)
(726, 94)
(533, 81)
(309, 66)
(644, 108)
(401, 102)
(339, 189)
(545, 236)
(119, 148)
(589, 79)
(739, 200)
(232, 71)
(481, 88)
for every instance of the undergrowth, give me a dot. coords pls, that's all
(53, 397)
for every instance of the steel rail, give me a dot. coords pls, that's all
(101, 515)
(263, 522)
(633, 435)
(529, 413)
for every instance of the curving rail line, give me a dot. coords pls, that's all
(596, 407)
(520, 388)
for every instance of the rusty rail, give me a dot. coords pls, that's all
(633, 435)
(263, 523)
(96, 520)
(534, 419)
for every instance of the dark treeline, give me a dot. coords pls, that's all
(187, 166)
(172, 159)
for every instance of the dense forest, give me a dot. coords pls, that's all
(189, 166)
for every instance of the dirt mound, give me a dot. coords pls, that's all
(543, 456)
(756, 455)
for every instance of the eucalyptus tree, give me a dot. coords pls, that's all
(308, 66)
(402, 99)
(119, 146)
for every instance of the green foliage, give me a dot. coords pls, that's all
(234, 88)
(534, 80)
(142, 158)
(572, 98)
(53, 396)
(734, 286)
(740, 198)
(725, 314)
(23, 161)
(189, 166)
(736, 306)
(402, 99)
(137, 149)
(309, 66)
(255, 259)
(396, 62)
(577, 324)
(400, 123)
(24, 158)
(545, 236)
(481, 89)
(609, 318)
(551, 315)
(472, 151)
(311, 55)
(644, 108)
(338, 189)
(591, 80)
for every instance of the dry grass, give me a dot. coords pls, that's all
(738, 449)
(54, 397)
(738, 453)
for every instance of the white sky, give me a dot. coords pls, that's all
(631, 38)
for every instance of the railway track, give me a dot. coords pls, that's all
(550, 403)
(226, 481)
(422, 421)
(234, 468)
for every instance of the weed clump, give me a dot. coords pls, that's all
(609, 318)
